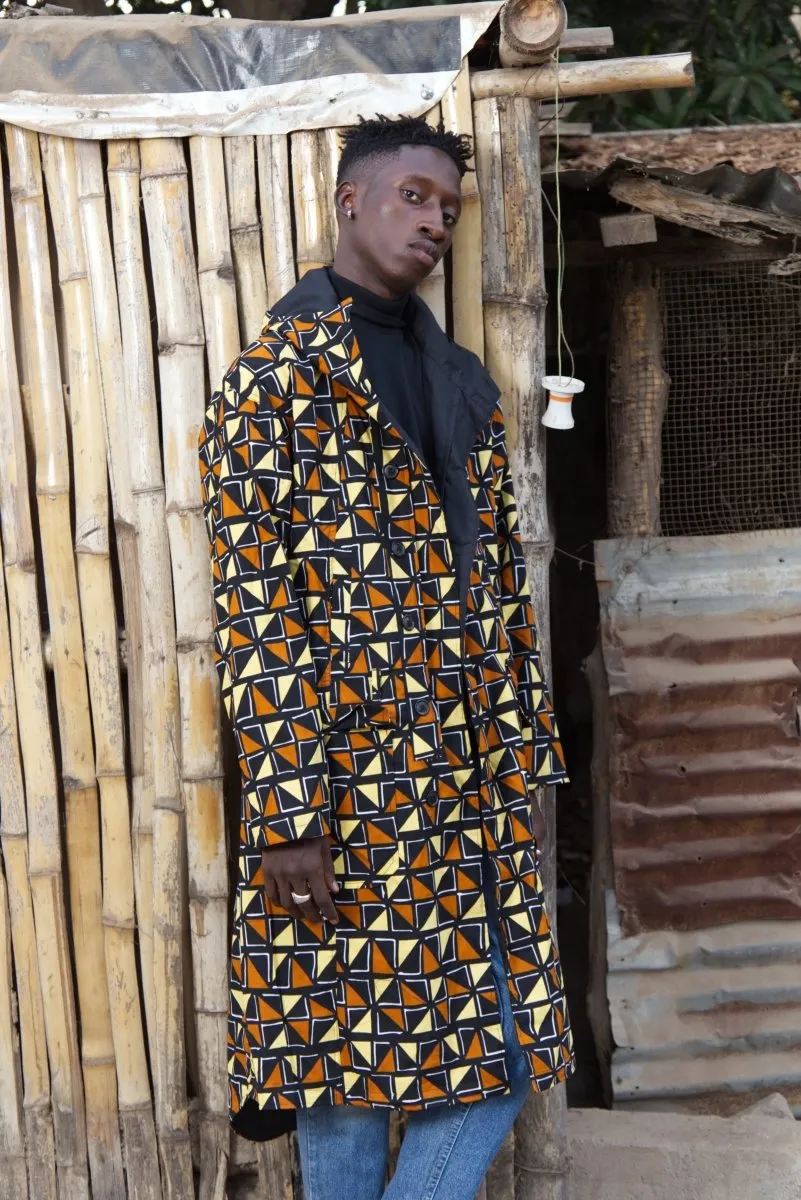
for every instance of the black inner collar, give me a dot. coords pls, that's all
(366, 304)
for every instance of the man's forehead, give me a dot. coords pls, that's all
(427, 162)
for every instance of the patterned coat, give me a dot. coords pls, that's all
(380, 666)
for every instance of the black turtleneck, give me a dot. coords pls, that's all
(393, 361)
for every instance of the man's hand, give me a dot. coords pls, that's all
(302, 867)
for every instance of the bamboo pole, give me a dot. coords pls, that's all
(92, 558)
(18, 535)
(94, 248)
(597, 78)
(275, 202)
(466, 268)
(214, 265)
(312, 203)
(202, 767)
(530, 31)
(12, 1136)
(183, 390)
(14, 1180)
(160, 717)
(507, 146)
(432, 289)
(53, 503)
(245, 224)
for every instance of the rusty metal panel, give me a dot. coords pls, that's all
(707, 1020)
(702, 645)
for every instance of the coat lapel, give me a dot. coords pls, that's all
(463, 396)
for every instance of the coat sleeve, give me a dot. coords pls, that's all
(261, 641)
(544, 755)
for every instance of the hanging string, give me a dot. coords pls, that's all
(560, 237)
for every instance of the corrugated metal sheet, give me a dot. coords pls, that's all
(702, 645)
(708, 1020)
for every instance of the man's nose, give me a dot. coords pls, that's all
(432, 225)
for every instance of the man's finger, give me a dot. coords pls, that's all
(322, 897)
(285, 898)
(271, 889)
(307, 908)
(328, 867)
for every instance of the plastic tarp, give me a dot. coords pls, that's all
(175, 76)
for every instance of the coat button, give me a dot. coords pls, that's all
(398, 548)
(390, 470)
(409, 624)
(422, 707)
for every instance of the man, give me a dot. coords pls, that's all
(380, 665)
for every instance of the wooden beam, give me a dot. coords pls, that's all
(587, 78)
(530, 31)
(748, 226)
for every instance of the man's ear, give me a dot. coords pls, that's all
(345, 199)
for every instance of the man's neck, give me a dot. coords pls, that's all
(350, 267)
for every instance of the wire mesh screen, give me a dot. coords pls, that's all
(731, 438)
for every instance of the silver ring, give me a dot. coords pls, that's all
(301, 899)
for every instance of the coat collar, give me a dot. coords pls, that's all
(311, 317)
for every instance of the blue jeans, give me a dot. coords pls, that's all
(446, 1151)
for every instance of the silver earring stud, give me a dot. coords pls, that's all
(351, 214)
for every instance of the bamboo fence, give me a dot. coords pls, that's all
(130, 276)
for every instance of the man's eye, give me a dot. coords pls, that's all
(449, 219)
(409, 194)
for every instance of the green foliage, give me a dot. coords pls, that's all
(746, 53)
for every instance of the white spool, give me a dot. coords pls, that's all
(561, 390)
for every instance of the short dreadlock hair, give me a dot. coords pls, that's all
(385, 136)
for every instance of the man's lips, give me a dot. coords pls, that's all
(426, 249)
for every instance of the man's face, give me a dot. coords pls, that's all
(405, 210)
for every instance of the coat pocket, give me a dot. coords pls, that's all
(364, 763)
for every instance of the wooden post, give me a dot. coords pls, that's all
(275, 1169)
(507, 148)
(530, 31)
(602, 873)
(638, 395)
